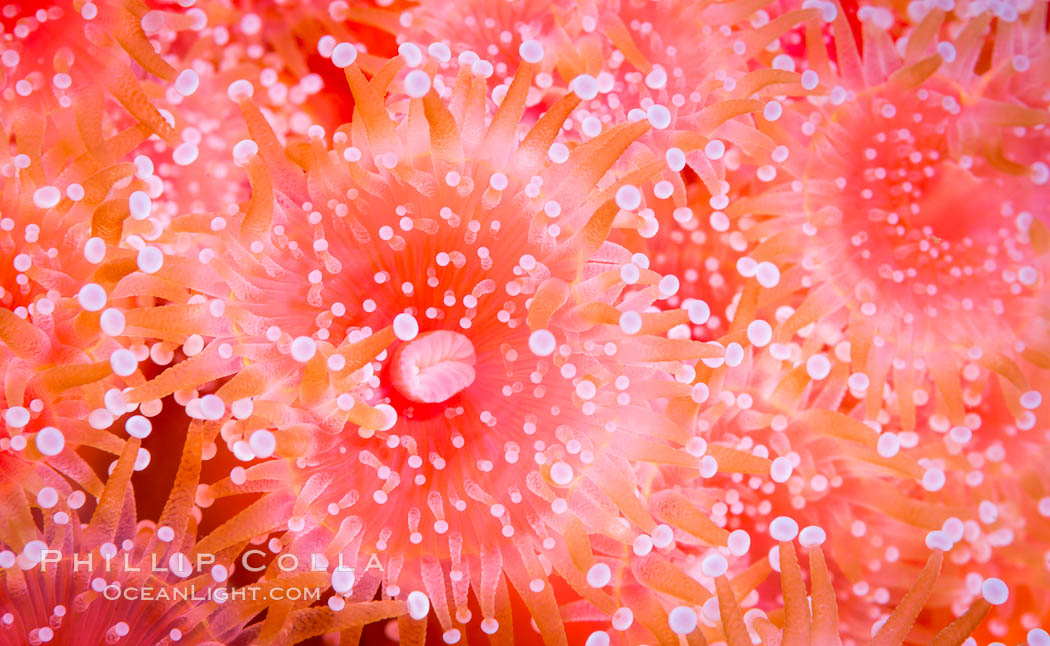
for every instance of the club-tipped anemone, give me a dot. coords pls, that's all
(119, 580)
(778, 457)
(876, 494)
(809, 611)
(63, 581)
(693, 243)
(76, 227)
(70, 231)
(718, 603)
(280, 48)
(609, 312)
(1000, 495)
(919, 237)
(214, 120)
(79, 55)
(497, 322)
(661, 63)
(498, 33)
(78, 598)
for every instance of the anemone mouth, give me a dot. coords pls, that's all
(433, 367)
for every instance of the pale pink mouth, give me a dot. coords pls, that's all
(433, 367)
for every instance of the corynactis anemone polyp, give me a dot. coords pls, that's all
(78, 56)
(73, 232)
(65, 586)
(280, 47)
(1003, 503)
(690, 243)
(720, 601)
(815, 618)
(419, 334)
(832, 481)
(658, 61)
(117, 581)
(493, 31)
(495, 311)
(892, 249)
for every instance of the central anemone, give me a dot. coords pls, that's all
(453, 418)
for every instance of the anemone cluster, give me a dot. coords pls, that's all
(601, 322)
